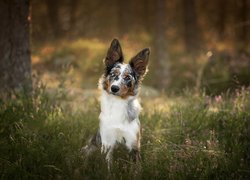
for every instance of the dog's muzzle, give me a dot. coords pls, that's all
(115, 88)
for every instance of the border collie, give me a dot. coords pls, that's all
(119, 117)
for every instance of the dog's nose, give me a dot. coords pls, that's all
(115, 88)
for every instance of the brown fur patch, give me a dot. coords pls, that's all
(117, 71)
(127, 91)
(106, 84)
(126, 73)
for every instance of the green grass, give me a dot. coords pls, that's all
(194, 136)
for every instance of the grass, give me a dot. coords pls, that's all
(185, 137)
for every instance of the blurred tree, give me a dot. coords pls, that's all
(241, 24)
(191, 30)
(221, 16)
(72, 11)
(146, 23)
(125, 16)
(15, 63)
(160, 45)
(53, 16)
(140, 10)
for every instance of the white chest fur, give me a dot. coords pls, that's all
(119, 121)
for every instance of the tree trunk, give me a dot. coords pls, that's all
(241, 25)
(15, 62)
(146, 17)
(191, 31)
(125, 16)
(220, 24)
(72, 11)
(53, 15)
(160, 46)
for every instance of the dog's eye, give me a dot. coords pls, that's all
(127, 78)
(112, 74)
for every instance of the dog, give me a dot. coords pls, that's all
(119, 117)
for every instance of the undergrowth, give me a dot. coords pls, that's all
(198, 137)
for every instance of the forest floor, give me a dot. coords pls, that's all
(183, 137)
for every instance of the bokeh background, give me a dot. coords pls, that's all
(202, 45)
(195, 97)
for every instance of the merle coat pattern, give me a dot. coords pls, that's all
(119, 117)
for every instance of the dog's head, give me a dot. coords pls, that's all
(122, 79)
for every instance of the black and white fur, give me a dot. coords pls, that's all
(119, 117)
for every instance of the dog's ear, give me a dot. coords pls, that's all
(139, 63)
(114, 54)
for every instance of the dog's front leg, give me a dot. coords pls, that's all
(93, 144)
(109, 156)
(135, 155)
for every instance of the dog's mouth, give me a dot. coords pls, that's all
(118, 93)
(114, 93)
